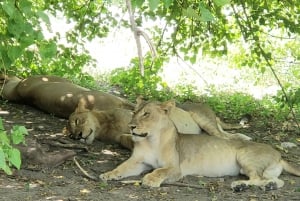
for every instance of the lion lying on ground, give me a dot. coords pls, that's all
(56, 95)
(112, 125)
(106, 125)
(158, 146)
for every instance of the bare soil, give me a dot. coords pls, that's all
(66, 182)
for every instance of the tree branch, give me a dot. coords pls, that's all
(136, 37)
(137, 33)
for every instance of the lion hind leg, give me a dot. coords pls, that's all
(210, 127)
(160, 175)
(267, 181)
(264, 184)
(234, 135)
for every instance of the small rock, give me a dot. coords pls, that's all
(288, 145)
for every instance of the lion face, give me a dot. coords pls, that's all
(82, 126)
(148, 120)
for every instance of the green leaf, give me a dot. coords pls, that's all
(221, 2)
(3, 164)
(48, 50)
(137, 3)
(153, 4)
(190, 13)
(14, 52)
(15, 28)
(2, 159)
(193, 59)
(168, 3)
(44, 17)
(15, 157)
(206, 15)
(9, 8)
(1, 125)
(3, 138)
(18, 134)
(25, 6)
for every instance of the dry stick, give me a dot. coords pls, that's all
(166, 183)
(84, 171)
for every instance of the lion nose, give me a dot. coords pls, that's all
(132, 127)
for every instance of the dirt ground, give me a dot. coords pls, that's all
(66, 182)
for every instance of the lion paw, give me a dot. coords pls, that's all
(151, 181)
(110, 176)
(239, 187)
(270, 186)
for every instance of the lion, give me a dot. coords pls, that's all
(106, 125)
(109, 125)
(57, 95)
(158, 146)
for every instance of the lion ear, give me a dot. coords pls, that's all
(168, 105)
(139, 101)
(82, 106)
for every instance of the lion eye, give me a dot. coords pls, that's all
(77, 121)
(146, 114)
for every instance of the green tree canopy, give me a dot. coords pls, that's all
(265, 32)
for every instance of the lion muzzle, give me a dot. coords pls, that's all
(132, 127)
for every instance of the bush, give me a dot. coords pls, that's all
(10, 156)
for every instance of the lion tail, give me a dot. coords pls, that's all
(292, 169)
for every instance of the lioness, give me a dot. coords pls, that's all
(159, 146)
(109, 125)
(106, 125)
(56, 95)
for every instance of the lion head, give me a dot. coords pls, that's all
(82, 126)
(149, 118)
(105, 125)
(84, 123)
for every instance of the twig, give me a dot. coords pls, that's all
(164, 184)
(84, 171)
(192, 68)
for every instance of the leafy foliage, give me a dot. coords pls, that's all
(25, 51)
(235, 105)
(10, 156)
(257, 34)
(133, 83)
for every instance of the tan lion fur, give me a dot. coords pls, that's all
(106, 125)
(57, 95)
(171, 155)
(109, 125)
(60, 97)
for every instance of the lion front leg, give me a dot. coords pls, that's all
(158, 176)
(128, 168)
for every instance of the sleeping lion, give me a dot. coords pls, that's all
(56, 95)
(159, 147)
